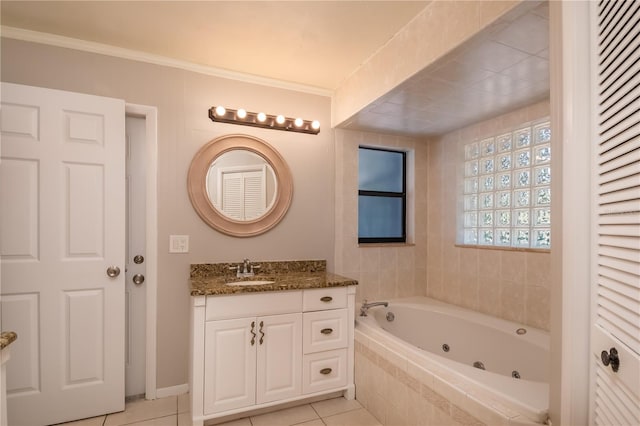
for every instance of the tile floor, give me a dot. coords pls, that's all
(174, 411)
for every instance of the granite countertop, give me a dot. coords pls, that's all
(6, 338)
(211, 279)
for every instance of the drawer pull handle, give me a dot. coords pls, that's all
(326, 331)
(261, 332)
(253, 338)
(326, 299)
(325, 371)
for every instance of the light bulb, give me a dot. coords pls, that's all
(220, 111)
(315, 124)
(262, 117)
(241, 114)
(298, 122)
(280, 119)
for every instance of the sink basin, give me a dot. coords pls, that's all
(245, 283)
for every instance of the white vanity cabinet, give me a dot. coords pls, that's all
(251, 361)
(255, 350)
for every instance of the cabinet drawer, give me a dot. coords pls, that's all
(324, 330)
(324, 371)
(324, 298)
(253, 304)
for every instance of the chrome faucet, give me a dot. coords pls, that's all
(365, 306)
(245, 269)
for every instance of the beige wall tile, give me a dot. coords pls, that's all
(377, 407)
(489, 296)
(537, 306)
(474, 277)
(513, 266)
(512, 301)
(539, 269)
(489, 264)
(462, 417)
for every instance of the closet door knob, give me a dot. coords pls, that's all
(611, 357)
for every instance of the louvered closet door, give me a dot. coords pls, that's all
(616, 316)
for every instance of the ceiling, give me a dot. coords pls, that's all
(501, 69)
(314, 43)
(318, 44)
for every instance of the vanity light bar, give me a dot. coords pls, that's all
(266, 121)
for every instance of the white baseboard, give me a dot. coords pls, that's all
(172, 390)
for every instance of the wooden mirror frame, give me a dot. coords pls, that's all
(197, 188)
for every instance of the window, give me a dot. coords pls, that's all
(381, 195)
(506, 195)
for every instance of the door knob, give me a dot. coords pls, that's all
(611, 357)
(138, 279)
(113, 271)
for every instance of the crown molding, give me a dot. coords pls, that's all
(135, 55)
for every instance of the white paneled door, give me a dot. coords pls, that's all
(62, 242)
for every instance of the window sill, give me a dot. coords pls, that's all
(531, 250)
(386, 245)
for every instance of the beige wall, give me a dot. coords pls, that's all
(382, 271)
(505, 283)
(182, 99)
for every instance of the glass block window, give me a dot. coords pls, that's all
(381, 195)
(506, 195)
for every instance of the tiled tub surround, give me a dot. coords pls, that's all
(401, 384)
(259, 346)
(506, 283)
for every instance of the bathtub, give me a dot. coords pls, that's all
(444, 342)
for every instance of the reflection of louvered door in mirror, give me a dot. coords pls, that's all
(243, 193)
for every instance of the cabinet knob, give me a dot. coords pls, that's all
(261, 332)
(326, 331)
(325, 371)
(326, 299)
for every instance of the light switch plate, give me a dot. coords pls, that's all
(178, 244)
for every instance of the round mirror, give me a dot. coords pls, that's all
(239, 185)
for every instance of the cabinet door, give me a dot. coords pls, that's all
(230, 364)
(279, 357)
